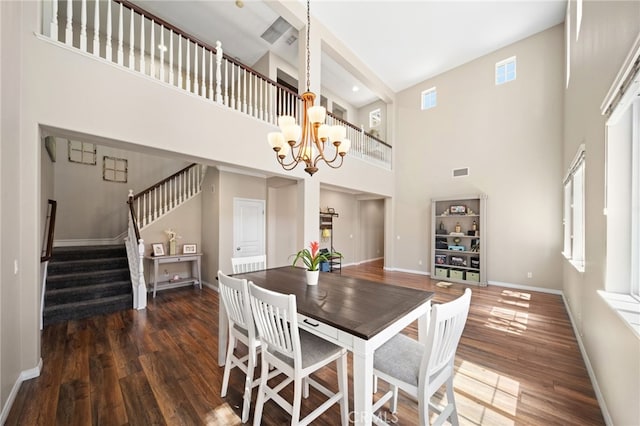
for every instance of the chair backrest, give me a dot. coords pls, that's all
(445, 329)
(276, 319)
(234, 293)
(249, 263)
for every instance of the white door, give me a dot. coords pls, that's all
(248, 227)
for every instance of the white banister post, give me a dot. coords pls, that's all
(53, 26)
(203, 86)
(162, 49)
(96, 29)
(171, 57)
(68, 37)
(142, 287)
(180, 61)
(132, 42)
(210, 96)
(219, 55)
(108, 49)
(188, 64)
(152, 50)
(143, 65)
(83, 25)
(226, 83)
(196, 88)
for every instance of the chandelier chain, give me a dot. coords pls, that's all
(308, 49)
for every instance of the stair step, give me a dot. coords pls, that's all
(86, 292)
(69, 266)
(87, 308)
(58, 281)
(88, 252)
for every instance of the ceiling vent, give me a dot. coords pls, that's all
(279, 27)
(460, 172)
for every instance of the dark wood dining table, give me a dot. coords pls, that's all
(357, 314)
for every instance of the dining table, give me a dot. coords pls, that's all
(357, 314)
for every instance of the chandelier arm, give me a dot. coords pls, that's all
(321, 155)
(330, 164)
(289, 166)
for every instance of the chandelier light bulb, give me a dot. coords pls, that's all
(317, 114)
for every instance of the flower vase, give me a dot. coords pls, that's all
(312, 277)
(172, 247)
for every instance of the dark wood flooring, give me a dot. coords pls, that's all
(518, 363)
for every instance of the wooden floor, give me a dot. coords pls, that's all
(518, 363)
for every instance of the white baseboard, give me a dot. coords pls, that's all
(24, 375)
(118, 239)
(526, 287)
(587, 363)
(211, 286)
(409, 271)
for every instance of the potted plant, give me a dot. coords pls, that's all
(312, 258)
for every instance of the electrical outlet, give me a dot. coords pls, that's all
(419, 262)
(529, 274)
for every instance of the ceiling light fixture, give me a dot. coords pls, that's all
(307, 143)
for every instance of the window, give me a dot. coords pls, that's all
(375, 118)
(429, 98)
(506, 70)
(573, 221)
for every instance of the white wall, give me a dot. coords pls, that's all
(510, 137)
(371, 243)
(92, 208)
(607, 33)
(282, 217)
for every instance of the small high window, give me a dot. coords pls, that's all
(429, 98)
(506, 70)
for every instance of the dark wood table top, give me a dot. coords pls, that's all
(359, 307)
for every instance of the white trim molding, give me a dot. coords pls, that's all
(24, 375)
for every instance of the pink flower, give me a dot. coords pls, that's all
(314, 248)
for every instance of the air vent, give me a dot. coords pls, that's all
(279, 27)
(460, 172)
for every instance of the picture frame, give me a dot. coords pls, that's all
(158, 249)
(189, 248)
(458, 209)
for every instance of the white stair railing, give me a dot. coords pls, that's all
(182, 61)
(161, 198)
(135, 256)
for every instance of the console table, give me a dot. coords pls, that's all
(195, 277)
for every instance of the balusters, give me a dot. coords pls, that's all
(250, 94)
(244, 92)
(132, 55)
(108, 48)
(171, 57)
(96, 29)
(68, 37)
(180, 61)
(152, 50)
(120, 32)
(226, 83)
(143, 65)
(155, 203)
(204, 73)
(83, 25)
(149, 208)
(162, 49)
(188, 65)
(196, 89)
(53, 25)
(219, 55)
(181, 186)
(210, 96)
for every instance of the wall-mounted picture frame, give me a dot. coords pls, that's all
(458, 209)
(158, 249)
(189, 248)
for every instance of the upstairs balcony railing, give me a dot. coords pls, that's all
(120, 32)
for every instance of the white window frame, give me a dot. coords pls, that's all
(501, 67)
(429, 98)
(567, 49)
(574, 208)
(375, 118)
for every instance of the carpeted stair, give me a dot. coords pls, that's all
(87, 281)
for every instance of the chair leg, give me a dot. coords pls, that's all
(453, 417)
(305, 387)
(394, 400)
(248, 385)
(228, 365)
(343, 387)
(297, 400)
(264, 376)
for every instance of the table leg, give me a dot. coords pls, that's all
(362, 385)
(155, 277)
(199, 273)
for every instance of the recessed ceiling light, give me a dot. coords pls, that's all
(355, 88)
(240, 3)
(162, 47)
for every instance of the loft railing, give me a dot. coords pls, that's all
(364, 145)
(121, 32)
(159, 199)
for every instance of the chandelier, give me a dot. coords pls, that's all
(311, 142)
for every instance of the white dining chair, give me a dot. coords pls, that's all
(420, 370)
(234, 293)
(248, 264)
(295, 353)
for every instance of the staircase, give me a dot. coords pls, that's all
(87, 281)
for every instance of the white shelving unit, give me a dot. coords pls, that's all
(458, 239)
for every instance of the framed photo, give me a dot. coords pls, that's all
(189, 249)
(158, 249)
(459, 209)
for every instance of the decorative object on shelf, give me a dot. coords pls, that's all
(307, 144)
(326, 233)
(158, 249)
(459, 209)
(331, 210)
(189, 248)
(312, 258)
(474, 226)
(456, 248)
(173, 236)
(457, 261)
(458, 228)
(441, 259)
(441, 229)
